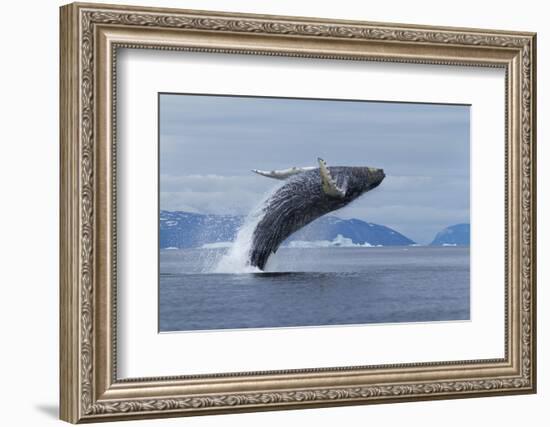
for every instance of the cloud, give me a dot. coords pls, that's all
(235, 195)
(212, 183)
(234, 203)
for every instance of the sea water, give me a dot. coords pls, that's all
(314, 287)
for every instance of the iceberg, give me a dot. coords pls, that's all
(217, 245)
(338, 242)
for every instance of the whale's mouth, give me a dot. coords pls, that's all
(375, 184)
(376, 176)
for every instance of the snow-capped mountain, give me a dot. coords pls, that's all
(187, 230)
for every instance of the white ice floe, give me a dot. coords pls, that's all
(338, 242)
(217, 245)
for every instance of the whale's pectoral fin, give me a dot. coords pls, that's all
(283, 173)
(328, 183)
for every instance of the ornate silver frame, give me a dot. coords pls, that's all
(90, 36)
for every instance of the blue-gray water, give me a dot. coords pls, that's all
(316, 286)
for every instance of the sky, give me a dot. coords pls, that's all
(209, 144)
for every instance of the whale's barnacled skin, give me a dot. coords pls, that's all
(305, 197)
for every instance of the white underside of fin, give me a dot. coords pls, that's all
(283, 173)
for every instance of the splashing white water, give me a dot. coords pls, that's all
(237, 258)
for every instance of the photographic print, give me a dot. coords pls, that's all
(290, 212)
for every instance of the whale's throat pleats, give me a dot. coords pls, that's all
(296, 204)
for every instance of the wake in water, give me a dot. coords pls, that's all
(237, 258)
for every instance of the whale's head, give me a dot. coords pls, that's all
(357, 180)
(346, 183)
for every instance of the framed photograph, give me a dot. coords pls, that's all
(267, 212)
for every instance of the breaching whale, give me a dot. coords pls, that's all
(307, 194)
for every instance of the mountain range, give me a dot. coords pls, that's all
(187, 230)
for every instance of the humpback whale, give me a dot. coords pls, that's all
(307, 194)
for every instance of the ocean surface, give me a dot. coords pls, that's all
(315, 287)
